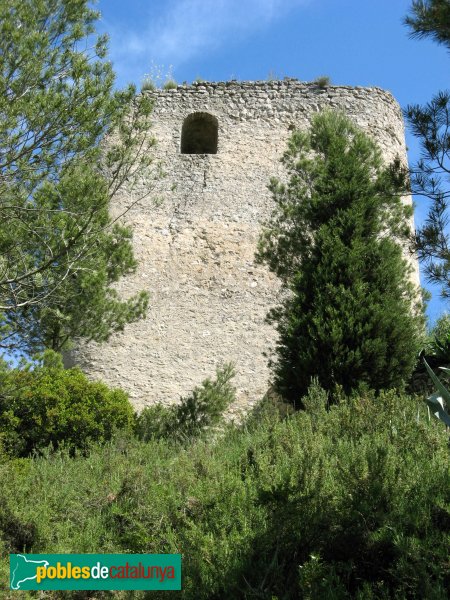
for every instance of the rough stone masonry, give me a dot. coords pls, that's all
(220, 143)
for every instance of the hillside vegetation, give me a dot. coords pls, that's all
(350, 502)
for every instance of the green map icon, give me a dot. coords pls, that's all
(23, 569)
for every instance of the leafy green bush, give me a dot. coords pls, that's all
(194, 414)
(50, 405)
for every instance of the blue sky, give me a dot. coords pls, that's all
(354, 42)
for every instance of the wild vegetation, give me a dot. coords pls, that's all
(345, 501)
(348, 497)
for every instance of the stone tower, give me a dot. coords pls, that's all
(220, 143)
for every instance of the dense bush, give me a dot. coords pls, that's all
(350, 502)
(48, 404)
(196, 413)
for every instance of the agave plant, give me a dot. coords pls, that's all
(437, 402)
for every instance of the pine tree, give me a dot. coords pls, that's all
(430, 18)
(59, 248)
(349, 316)
(430, 177)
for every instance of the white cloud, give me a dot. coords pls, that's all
(188, 28)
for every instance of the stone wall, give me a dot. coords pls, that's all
(196, 249)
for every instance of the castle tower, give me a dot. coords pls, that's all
(220, 143)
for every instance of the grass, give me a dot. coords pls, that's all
(171, 84)
(322, 82)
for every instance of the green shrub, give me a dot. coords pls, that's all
(16, 534)
(158, 78)
(154, 423)
(205, 406)
(196, 413)
(352, 506)
(322, 82)
(170, 84)
(270, 408)
(317, 399)
(148, 85)
(50, 405)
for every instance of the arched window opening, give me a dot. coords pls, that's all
(199, 134)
